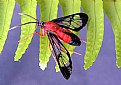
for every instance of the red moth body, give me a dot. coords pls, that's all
(59, 31)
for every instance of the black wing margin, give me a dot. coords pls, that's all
(61, 54)
(74, 22)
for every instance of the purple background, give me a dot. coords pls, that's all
(27, 72)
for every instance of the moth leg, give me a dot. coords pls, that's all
(73, 52)
(39, 34)
(84, 41)
(30, 36)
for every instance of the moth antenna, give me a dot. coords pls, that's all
(28, 16)
(21, 25)
(14, 27)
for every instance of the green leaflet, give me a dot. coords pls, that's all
(27, 7)
(69, 7)
(113, 11)
(6, 12)
(95, 29)
(49, 9)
